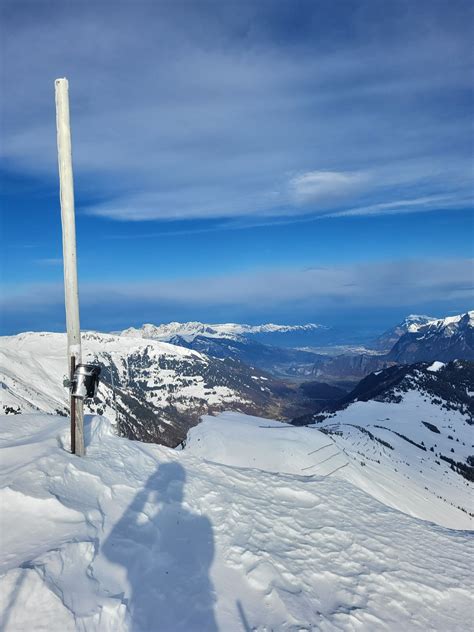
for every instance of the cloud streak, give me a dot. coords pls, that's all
(380, 284)
(180, 113)
(324, 186)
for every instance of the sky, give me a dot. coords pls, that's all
(282, 161)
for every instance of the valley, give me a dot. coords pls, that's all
(157, 381)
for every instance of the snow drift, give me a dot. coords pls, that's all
(142, 537)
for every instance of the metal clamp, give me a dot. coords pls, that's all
(85, 381)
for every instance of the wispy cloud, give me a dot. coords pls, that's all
(326, 186)
(414, 205)
(183, 111)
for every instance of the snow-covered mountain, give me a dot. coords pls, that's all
(442, 339)
(411, 426)
(386, 341)
(269, 347)
(240, 342)
(188, 331)
(159, 390)
(421, 339)
(248, 528)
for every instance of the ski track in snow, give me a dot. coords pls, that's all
(409, 477)
(139, 537)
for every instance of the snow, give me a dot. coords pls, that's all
(227, 534)
(436, 366)
(447, 325)
(264, 444)
(409, 478)
(413, 322)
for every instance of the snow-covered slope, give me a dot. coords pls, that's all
(245, 441)
(160, 390)
(139, 537)
(190, 330)
(410, 431)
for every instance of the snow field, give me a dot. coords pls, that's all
(414, 480)
(144, 538)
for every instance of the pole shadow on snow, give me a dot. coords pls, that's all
(243, 617)
(13, 598)
(166, 551)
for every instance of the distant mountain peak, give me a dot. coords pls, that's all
(411, 323)
(442, 339)
(415, 320)
(466, 318)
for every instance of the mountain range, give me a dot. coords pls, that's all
(153, 390)
(416, 338)
(234, 331)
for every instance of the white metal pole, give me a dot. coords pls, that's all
(69, 246)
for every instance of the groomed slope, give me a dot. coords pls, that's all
(141, 537)
(409, 433)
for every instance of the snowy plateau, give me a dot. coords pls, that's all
(238, 531)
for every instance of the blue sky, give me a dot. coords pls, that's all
(267, 161)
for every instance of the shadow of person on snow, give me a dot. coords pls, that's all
(167, 551)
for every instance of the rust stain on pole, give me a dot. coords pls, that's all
(73, 410)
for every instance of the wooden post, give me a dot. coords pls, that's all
(69, 251)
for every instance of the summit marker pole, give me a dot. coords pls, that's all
(69, 255)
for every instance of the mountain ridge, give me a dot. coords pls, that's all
(442, 339)
(190, 329)
(389, 337)
(154, 390)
